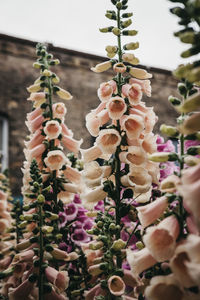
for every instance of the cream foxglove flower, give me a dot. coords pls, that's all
(138, 178)
(133, 92)
(149, 213)
(133, 125)
(164, 287)
(139, 261)
(116, 107)
(55, 160)
(161, 239)
(52, 129)
(116, 285)
(106, 90)
(108, 140)
(135, 155)
(59, 110)
(145, 85)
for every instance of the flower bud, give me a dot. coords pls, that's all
(195, 150)
(119, 5)
(127, 15)
(106, 29)
(63, 94)
(129, 32)
(188, 37)
(131, 46)
(118, 245)
(169, 130)
(163, 157)
(139, 245)
(96, 245)
(54, 62)
(119, 67)
(102, 67)
(126, 23)
(111, 16)
(191, 160)
(116, 31)
(51, 216)
(111, 49)
(23, 224)
(40, 198)
(190, 52)
(37, 65)
(182, 88)
(174, 101)
(34, 88)
(7, 273)
(46, 73)
(192, 103)
(47, 229)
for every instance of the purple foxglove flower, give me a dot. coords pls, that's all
(71, 211)
(88, 224)
(80, 236)
(62, 219)
(77, 199)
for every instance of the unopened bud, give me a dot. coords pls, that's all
(129, 32)
(106, 29)
(127, 15)
(169, 130)
(195, 150)
(118, 245)
(127, 23)
(131, 46)
(41, 199)
(174, 101)
(116, 31)
(139, 245)
(163, 157)
(37, 65)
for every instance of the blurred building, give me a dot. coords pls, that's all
(16, 73)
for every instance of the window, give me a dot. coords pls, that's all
(4, 142)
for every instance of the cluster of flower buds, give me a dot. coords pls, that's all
(188, 12)
(122, 125)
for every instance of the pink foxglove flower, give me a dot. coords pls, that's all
(164, 287)
(145, 85)
(149, 213)
(116, 108)
(139, 261)
(91, 153)
(133, 125)
(106, 90)
(161, 239)
(133, 92)
(52, 129)
(135, 155)
(55, 160)
(108, 140)
(116, 285)
(59, 110)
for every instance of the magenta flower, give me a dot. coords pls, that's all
(80, 236)
(71, 211)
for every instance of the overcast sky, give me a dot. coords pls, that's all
(74, 24)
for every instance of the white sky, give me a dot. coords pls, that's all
(74, 24)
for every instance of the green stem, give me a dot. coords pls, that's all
(41, 244)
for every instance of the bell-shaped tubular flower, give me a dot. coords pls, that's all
(116, 107)
(133, 125)
(108, 140)
(149, 213)
(161, 239)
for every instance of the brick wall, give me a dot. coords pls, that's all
(16, 73)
